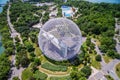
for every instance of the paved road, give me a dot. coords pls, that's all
(98, 52)
(14, 71)
(106, 69)
(110, 69)
(117, 27)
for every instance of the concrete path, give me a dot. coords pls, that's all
(14, 71)
(117, 27)
(108, 69)
(14, 33)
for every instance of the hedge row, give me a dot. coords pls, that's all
(53, 67)
(40, 76)
(61, 78)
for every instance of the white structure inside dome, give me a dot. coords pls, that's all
(60, 39)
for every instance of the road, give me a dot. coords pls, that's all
(14, 71)
(106, 69)
(98, 52)
(117, 27)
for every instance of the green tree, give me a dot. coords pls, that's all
(86, 70)
(4, 67)
(16, 78)
(37, 61)
(98, 57)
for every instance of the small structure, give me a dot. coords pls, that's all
(68, 11)
(44, 4)
(53, 14)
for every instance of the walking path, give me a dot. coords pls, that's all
(39, 25)
(98, 52)
(106, 69)
(14, 71)
(13, 32)
(53, 73)
(117, 27)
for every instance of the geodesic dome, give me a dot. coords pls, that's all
(60, 39)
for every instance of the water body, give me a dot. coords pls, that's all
(106, 1)
(1, 8)
(2, 2)
(1, 47)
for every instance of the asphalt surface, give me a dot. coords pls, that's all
(106, 69)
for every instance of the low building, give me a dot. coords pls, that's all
(53, 14)
(68, 11)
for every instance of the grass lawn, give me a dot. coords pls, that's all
(26, 74)
(118, 70)
(109, 77)
(107, 59)
(95, 63)
(40, 76)
(61, 78)
(53, 67)
(43, 59)
(38, 52)
(80, 66)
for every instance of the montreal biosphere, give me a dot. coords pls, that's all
(60, 39)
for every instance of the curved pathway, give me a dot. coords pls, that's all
(106, 69)
(53, 73)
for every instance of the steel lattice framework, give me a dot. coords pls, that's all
(60, 39)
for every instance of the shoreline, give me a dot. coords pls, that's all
(103, 1)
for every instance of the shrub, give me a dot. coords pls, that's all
(86, 70)
(53, 67)
(40, 76)
(61, 78)
(16, 78)
(26, 74)
(98, 58)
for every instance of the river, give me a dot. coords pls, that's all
(1, 47)
(1, 8)
(106, 1)
(2, 2)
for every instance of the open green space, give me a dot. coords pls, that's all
(118, 70)
(61, 78)
(107, 59)
(40, 76)
(53, 67)
(109, 77)
(95, 63)
(26, 74)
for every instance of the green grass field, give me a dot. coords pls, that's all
(107, 59)
(95, 63)
(53, 67)
(40, 76)
(118, 70)
(26, 74)
(109, 77)
(61, 78)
